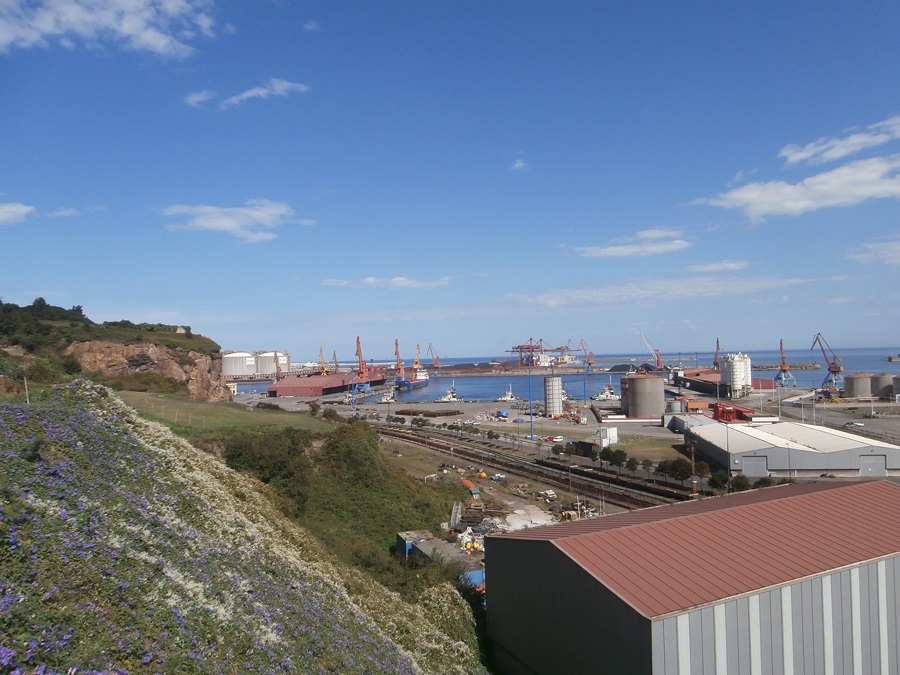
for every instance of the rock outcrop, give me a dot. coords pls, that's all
(201, 372)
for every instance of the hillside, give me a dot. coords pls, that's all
(124, 547)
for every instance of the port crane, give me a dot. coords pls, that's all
(784, 377)
(835, 378)
(435, 360)
(716, 356)
(278, 374)
(363, 372)
(588, 358)
(399, 360)
(323, 366)
(417, 362)
(653, 352)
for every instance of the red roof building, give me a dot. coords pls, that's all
(792, 579)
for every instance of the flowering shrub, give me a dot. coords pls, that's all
(125, 549)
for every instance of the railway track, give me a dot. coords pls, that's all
(576, 479)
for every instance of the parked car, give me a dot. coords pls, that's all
(556, 439)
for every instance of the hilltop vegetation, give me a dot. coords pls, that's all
(123, 546)
(41, 332)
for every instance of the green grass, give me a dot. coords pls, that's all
(193, 419)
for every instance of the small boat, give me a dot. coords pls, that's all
(893, 357)
(387, 397)
(508, 397)
(607, 394)
(449, 397)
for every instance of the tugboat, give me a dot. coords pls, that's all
(449, 397)
(607, 394)
(508, 397)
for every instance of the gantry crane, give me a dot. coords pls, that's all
(588, 358)
(835, 378)
(435, 360)
(323, 367)
(784, 377)
(653, 351)
(399, 360)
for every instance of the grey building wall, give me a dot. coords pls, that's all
(844, 622)
(546, 615)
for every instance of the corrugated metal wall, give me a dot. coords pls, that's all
(846, 622)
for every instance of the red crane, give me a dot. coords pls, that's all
(835, 378)
(784, 377)
(653, 352)
(588, 357)
(435, 360)
(363, 371)
(399, 360)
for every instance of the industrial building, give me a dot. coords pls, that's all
(241, 365)
(788, 449)
(790, 579)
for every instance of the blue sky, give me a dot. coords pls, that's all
(289, 175)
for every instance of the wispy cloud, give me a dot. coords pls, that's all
(847, 185)
(66, 212)
(275, 87)
(646, 242)
(830, 149)
(393, 283)
(882, 252)
(718, 266)
(658, 291)
(252, 222)
(197, 98)
(312, 26)
(14, 212)
(161, 27)
(519, 165)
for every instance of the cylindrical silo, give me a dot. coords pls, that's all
(882, 385)
(896, 385)
(553, 399)
(646, 396)
(736, 374)
(238, 364)
(858, 385)
(265, 362)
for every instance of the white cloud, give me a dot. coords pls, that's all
(659, 291)
(846, 185)
(718, 266)
(312, 26)
(830, 149)
(657, 233)
(884, 253)
(392, 283)
(519, 165)
(64, 212)
(249, 222)
(632, 250)
(197, 98)
(161, 27)
(275, 87)
(14, 212)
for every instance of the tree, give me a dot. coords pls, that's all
(740, 483)
(701, 470)
(557, 449)
(664, 468)
(594, 456)
(569, 450)
(631, 464)
(680, 469)
(618, 459)
(606, 454)
(719, 480)
(647, 464)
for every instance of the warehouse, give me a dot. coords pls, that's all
(793, 450)
(789, 579)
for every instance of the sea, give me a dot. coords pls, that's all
(580, 385)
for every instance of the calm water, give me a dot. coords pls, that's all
(581, 386)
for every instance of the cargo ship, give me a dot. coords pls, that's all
(419, 379)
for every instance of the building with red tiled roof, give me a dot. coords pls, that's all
(791, 579)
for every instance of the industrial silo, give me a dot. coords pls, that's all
(736, 374)
(858, 385)
(882, 385)
(266, 364)
(238, 364)
(553, 397)
(643, 396)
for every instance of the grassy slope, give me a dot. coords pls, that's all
(138, 551)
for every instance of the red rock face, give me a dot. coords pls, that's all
(201, 372)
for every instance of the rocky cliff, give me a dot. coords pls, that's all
(201, 372)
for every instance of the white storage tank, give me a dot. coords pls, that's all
(737, 375)
(265, 362)
(858, 385)
(238, 364)
(643, 396)
(553, 399)
(882, 385)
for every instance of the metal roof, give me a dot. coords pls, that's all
(673, 558)
(738, 438)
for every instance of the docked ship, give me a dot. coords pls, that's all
(607, 394)
(508, 397)
(418, 379)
